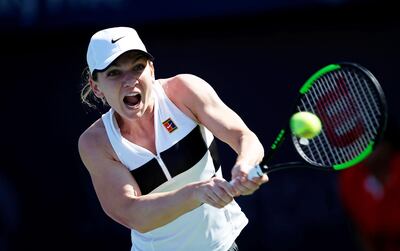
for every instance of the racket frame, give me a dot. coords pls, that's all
(264, 167)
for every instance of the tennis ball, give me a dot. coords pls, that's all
(305, 125)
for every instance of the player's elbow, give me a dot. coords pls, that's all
(128, 220)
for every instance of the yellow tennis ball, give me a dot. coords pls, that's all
(305, 125)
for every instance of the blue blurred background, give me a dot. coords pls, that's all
(256, 54)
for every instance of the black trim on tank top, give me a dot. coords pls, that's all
(149, 176)
(186, 153)
(214, 154)
(178, 158)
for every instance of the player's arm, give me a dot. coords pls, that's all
(199, 100)
(120, 197)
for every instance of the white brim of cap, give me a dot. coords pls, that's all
(114, 56)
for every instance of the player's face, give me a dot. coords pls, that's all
(126, 85)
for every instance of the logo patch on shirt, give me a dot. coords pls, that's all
(169, 125)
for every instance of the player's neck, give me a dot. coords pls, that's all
(141, 132)
(138, 127)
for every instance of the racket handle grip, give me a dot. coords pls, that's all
(255, 172)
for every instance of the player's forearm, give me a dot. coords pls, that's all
(249, 149)
(145, 213)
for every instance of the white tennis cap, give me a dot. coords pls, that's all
(106, 45)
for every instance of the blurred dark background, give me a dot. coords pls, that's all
(256, 54)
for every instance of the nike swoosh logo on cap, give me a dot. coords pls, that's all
(115, 40)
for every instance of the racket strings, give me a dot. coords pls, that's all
(321, 89)
(367, 102)
(326, 155)
(355, 117)
(364, 105)
(349, 106)
(351, 120)
(371, 109)
(322, 154)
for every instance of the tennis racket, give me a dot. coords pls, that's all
(352, 108)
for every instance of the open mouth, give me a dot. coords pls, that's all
(133, 99)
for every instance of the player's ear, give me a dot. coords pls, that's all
(95, 88)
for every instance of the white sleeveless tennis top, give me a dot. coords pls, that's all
(186, 152)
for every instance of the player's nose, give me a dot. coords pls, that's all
(129, 80)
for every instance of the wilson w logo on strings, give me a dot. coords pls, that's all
(339, 112)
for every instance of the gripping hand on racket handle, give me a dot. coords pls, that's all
(246, 179)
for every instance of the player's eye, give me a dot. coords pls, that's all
(113, 73)
(139, 67)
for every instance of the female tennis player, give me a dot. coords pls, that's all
(152, 157)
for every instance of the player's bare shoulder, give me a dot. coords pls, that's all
(185, 90)
(92, 135)
(93, 142)
(182, 83)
